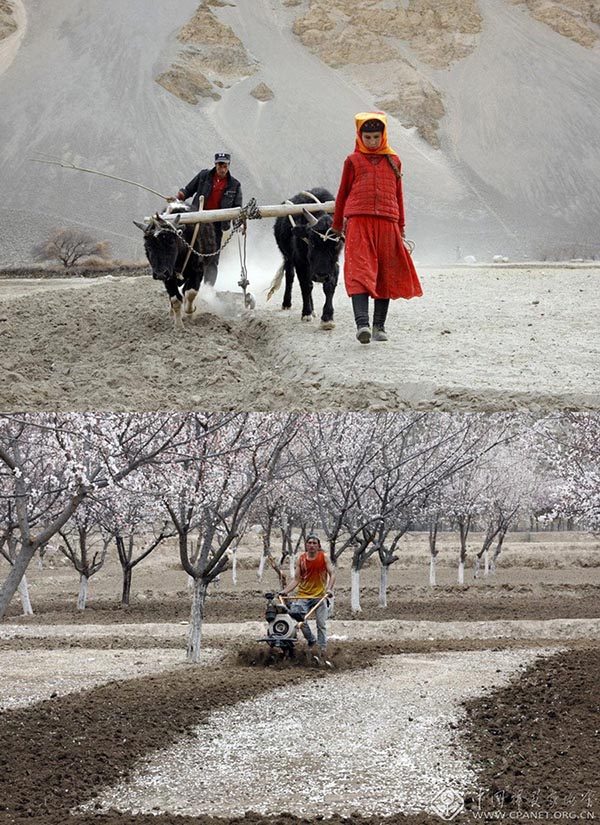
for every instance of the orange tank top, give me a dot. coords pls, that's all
(313, 576)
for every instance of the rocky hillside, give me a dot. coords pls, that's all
(369, 41)
(211, 57)
(8, 23)
(579, 20)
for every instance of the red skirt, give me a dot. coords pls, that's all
(376, 260)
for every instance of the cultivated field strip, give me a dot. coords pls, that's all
(378, 741)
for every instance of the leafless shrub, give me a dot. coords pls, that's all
(69, 246)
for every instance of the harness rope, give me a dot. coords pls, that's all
(190, 250)
(248, 212)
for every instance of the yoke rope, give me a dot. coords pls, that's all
(189, 252)
(249, 212)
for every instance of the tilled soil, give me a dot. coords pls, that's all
(536, 740)
(481, 340)
(534, 743)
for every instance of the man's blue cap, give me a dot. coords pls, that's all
(222, 157)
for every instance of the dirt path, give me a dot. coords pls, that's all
(481, 339)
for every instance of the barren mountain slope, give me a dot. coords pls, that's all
(577, 19)
(508, 99)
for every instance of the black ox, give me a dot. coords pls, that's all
(311, 250)
(167, 246)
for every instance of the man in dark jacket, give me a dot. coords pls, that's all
(221, 191)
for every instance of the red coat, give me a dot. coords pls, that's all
(370, 199)
(369, 186)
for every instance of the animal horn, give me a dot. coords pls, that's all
(290, 217)
(310, 195)
(142, 226)
(309, 217)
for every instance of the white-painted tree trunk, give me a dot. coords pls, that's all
(292, 565)
(190, 583)
(432, 571)
(83, 591)
(476, 568)
(24, 596)
(355, 592)
(461, 572)
(196, 619)
(261, 567)
(486, 563)
(234, 567)
(383, 583)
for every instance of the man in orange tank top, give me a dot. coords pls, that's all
(314, 577)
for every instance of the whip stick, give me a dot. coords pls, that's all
(67, 165)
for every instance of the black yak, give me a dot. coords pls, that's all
(311, 250)
(170, 249)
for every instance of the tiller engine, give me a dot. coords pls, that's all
(283, 623)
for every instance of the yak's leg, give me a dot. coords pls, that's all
(188, 301)
(306, 287)
(176, 312)
(327, 321)
(288, 268)
(191, 287)
(210, 273)
(175, 300)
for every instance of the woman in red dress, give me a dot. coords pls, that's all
(369, 207)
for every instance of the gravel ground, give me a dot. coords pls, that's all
(28, 676)
(379, 741)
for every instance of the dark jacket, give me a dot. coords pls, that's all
(202, 185)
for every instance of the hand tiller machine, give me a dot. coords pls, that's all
(283, 623)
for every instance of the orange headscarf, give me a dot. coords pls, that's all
(361, 118)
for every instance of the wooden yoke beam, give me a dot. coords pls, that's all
(274, 211)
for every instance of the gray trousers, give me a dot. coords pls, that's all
(320, 614)
(211, 265)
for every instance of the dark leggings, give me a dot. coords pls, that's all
(360, 305)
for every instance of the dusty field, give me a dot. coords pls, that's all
(472, 700)
(479, 339)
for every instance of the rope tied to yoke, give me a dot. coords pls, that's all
(248, 212)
